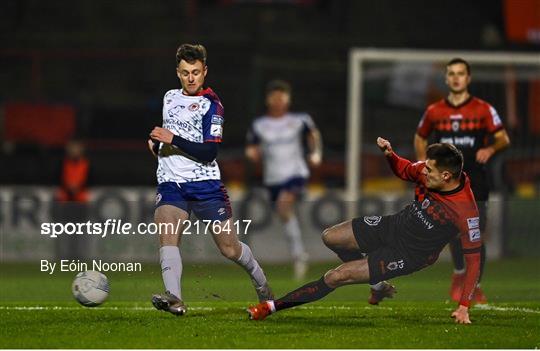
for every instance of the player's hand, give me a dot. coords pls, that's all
(162, 134)
(484, 154)
(385, 146)
(461, 315)
(315, 159)
(253, 153)
(151, 147)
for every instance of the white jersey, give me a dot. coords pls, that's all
(197, 119)
(281, 142)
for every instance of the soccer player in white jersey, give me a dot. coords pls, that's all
(189, 177)
(277, 138)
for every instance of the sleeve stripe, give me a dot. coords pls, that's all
(472, 251)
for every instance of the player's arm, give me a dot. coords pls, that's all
(420, 147)
(421, 136)
(253, 150)
(471, 241)
(315, 146)
(204, 152)
(500, 142)
(401, 167)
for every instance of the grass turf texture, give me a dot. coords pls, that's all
(37, 311)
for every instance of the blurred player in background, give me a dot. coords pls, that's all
(475, 128)
(189, 177)
(277, 139)
(407, 241)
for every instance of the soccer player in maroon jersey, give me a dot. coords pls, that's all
(404, 242)
(468, 123)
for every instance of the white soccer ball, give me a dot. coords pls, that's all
(90, 288)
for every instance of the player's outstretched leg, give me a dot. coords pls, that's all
(340, 239)
(353, 272)
(235, 250)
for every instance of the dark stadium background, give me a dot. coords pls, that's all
(111, 62)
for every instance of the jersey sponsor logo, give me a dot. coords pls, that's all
(216, 119)
(455, 126)
(473, 222)
(459, 141)
(422, 217)
(456, 116)
(193, 107)
(425, 204)
(392, 266)
(158, 198)
(474, 234)
(372, 220)
(496, 119)
(216, 130)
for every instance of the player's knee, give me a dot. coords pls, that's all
(336, 277)
(327, 237)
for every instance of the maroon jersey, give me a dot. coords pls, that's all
(436, 217)
(466, 126)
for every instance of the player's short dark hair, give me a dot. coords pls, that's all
(457, 60)
(447, 158)
(278, 85)
(191, 53)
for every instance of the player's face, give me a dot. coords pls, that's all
(191, 76)
(435, 179)
(278, 102)
(457, 78)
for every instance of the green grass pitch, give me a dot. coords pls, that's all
(38, 311)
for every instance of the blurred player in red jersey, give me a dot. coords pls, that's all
(404, 242)
(468, 123)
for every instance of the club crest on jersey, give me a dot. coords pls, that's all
(372, 220)
(158, 198)
(193, 107)
(425, 204)
(455, 126)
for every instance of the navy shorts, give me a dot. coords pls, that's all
(208, 199)
(294, 185)
(375, 236)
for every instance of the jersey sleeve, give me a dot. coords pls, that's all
(212, 123)
(424, 127)
(308, 124)
(405, 169)
(471, 240)
(252, 137)
(493, 121)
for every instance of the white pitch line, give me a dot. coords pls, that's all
(138, 308)
(505, 309)
(56, 308)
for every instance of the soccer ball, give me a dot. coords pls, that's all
(90, 288)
